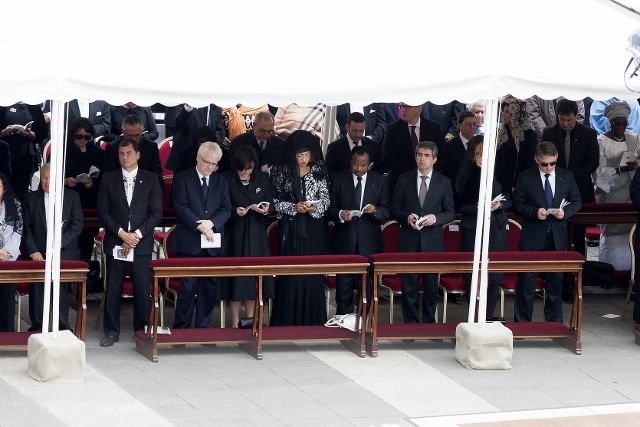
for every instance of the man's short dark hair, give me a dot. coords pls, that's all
(243, 158)
(566, 107)
(428, 145)
(361, 150)
(546, 148)
(130, 141)
(465, 114)
(131, 120)
(356, 118)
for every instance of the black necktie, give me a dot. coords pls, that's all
(414, 138)
(205, 188)
(262, 147)
(547, 190)
(359, 192)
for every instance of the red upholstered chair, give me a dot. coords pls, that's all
(165, 148)
(47, 153)
(450, 283)
(510, 279)
(632, 241)
(103, 144)
(591, 238)
(390, 283)
(172, 285)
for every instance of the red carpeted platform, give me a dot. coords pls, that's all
(304, 333)
(251, 261)
(14, 339)
(430, 331)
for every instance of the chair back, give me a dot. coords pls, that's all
(391, 236)
(103, 144)
(451, 234)
(166, 195)
(272, 238)
(514, 230)
(47, 152)
(166, 244)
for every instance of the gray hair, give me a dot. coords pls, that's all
(478, 103)
(428, 145)
(264, 115)
(212, 148)
(45, 167)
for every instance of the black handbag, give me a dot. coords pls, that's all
(245, 323)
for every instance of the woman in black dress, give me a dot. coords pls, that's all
(467, 187)
(25, 144)
(516, 144)
(82, 154)
(246, 234)
(302, 228)
(10, 237)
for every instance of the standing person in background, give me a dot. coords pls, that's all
(118, 114)
(374, 116)
(261, 138)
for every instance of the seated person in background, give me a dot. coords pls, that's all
(401, 140)
(537, 190)
(544, 113)
(188, 156)
(261, 138)
(467, 186)
(132, 128)
(374, 115)
(10, 237)
(118, 114)
(457, 147)
(362, 190)
(35, 212)
(339, 151)
(188, 120)
(477, 108)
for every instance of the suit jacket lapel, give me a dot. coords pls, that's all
(74, 107)
(120, 186)
(138, 187)
(41, 211)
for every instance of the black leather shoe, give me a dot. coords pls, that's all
(109, 340)
(209, 345)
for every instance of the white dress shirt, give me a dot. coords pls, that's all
(427, 181)
(552, 181)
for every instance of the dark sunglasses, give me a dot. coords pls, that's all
(544, 165)
(79, 137)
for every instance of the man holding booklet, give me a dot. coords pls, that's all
(359, 200)
(129, 208)
(201, 200)
(422, 203)
(545, 197)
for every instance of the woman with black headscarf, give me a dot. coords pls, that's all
(300, 178)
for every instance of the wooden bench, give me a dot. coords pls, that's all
(169, 218)
(462, 262)
(251, 340)
(601, 213)
(33, 272)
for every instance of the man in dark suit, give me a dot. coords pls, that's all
(537, 190)
(149, 153)
(202, 203)
(401, 140)
(262, 139)
(581, 144)
(422, 193)
(120, 112)
(445, 115)
(339, 151)
(34, 213)
(457, 147)
(129, 208)
(361, 190)
(5, 158)
(187, 121)
(374, 116)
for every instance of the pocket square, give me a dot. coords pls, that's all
(98, 113)
(258, 189)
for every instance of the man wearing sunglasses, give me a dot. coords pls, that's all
(537, 191)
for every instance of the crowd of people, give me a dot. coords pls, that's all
(416, 164)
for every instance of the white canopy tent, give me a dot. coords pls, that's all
(284, 51)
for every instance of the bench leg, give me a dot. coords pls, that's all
(147, 351)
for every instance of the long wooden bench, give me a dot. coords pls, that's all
(251, 340)
(33, 272)
(601, 213)
(462, 262)
(90, 216)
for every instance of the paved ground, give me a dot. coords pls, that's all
(325, 385)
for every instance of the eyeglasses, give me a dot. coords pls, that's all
(262, 131)
(615, 123)
(406, 107)
(210, 164)
(470, 124)
(544, 165)
(79, 137)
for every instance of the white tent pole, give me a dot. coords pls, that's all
(54, 220)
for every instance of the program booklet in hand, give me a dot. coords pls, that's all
(627, 156)
(93, 173)
(258, 205)
(357, 213)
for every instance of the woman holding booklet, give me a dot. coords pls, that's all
(467, 186)
(301, 199)
(618, 151)
(251, 199)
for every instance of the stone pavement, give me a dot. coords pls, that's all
(325, 385)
